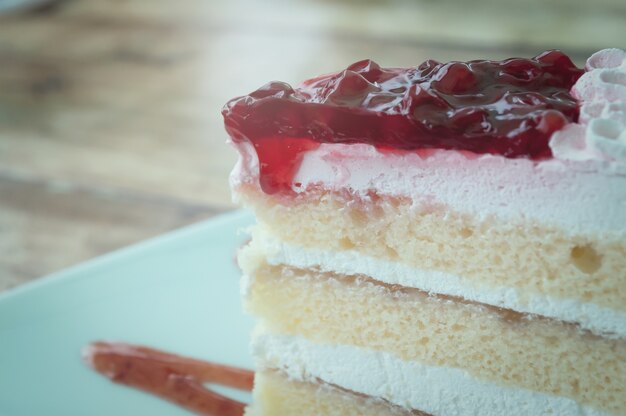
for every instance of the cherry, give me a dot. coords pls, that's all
(350, 89)
(367, 68)
(455, 78)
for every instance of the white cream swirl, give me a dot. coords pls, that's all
(600, 133)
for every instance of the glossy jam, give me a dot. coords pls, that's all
(509, 108)
(172, 377)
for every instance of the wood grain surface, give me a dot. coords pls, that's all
(110, 126)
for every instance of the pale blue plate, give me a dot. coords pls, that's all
(178, 292)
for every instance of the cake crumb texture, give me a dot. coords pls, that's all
(276, 395)
(532, 258)
(493, 345)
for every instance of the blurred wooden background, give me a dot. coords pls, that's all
(110, 126)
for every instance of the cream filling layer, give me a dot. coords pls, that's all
(580, 197)
(602, 321)
(439, 391)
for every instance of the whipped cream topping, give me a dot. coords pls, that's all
(600, 133)
(436, 390)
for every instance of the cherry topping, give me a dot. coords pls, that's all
(509, 108)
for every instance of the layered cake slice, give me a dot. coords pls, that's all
(448, 239)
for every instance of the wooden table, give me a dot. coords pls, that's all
(110, 126)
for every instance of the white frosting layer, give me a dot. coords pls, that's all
(601, 132)
(603, 321)
(570, 195)
(553, 193)
(439, 391)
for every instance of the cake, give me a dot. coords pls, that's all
(446, 239)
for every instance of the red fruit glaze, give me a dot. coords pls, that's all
(508, 108)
